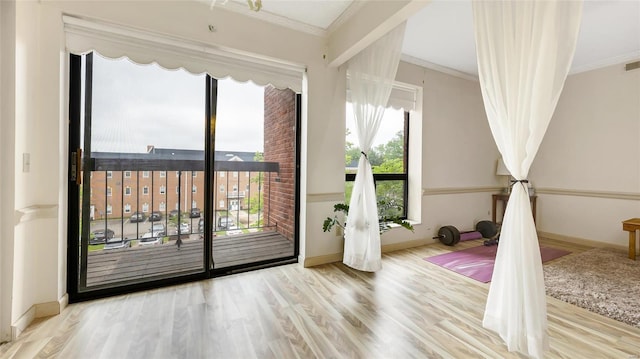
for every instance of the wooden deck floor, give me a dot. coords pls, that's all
(130, 264)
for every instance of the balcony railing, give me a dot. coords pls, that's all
(143, 196)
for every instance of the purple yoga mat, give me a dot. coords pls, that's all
(477, 262)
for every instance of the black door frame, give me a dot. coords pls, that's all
(76, 261)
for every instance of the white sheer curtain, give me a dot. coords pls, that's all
(525, 49)
(371, 75)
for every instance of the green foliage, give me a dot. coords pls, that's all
(384, 220)
(255, 203)
(258, 157)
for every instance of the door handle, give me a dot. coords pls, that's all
(76, 166)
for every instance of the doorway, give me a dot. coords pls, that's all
(157, 192)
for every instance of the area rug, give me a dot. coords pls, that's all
(477, 262)
(604, 281)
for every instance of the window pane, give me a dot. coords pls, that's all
(390, 196)
(387, 151)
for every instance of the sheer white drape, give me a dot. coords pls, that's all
(524, 50)
(371, 76)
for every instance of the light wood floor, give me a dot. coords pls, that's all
(410, 309)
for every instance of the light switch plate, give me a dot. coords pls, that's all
(26, 162)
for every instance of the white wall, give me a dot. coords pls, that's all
(587, 170)
(458, 151)
(7, 90)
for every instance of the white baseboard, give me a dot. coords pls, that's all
(580, 241)
(337, 257)
(39, 310)
(405, 245)
(324, 259)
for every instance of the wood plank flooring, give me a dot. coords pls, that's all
(132, 264)
(409, 309)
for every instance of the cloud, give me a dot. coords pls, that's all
(139, 105)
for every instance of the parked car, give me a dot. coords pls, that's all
(225, 223)
(184, 228)
(201, 225)
(117, 243)
(158, 228)
(137, 217)
(99, 235)
(195, 213)
(150, 238)
(173, 213)
(155, 216)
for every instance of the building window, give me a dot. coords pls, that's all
(162, 207)
(246, 174)
(163, 174)
(109, 191)
(163, 189)
(194, 173)
(177, 189)
(127, 208)
(127, 174)
(109, 209)
(145, 174)
(235, 174)
(388, 157)
(109, 174)
(221, 204)
(194, 204)
(222, 174)
(127, 191)
(221, 188)
(145, 207)
(177, 173)
(145, 190)
(194, 189)
(235, 188)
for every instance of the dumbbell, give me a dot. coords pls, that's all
(450, 235)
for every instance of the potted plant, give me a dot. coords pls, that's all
(384, 220)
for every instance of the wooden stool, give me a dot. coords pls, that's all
(631, 225)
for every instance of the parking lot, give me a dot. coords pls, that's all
(130, 230)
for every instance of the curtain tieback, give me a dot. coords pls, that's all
(365, 155)
(521, 181)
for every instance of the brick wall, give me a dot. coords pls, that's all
(279, 146)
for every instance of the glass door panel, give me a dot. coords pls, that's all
(143, 157)
(254, 179)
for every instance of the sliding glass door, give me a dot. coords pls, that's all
(175, 176)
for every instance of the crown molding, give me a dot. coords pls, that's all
(439, 68)
(345, 16)
(241, 8)
(616, 60)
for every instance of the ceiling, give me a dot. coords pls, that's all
(441, 34)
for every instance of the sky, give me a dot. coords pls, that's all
(138, 105)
